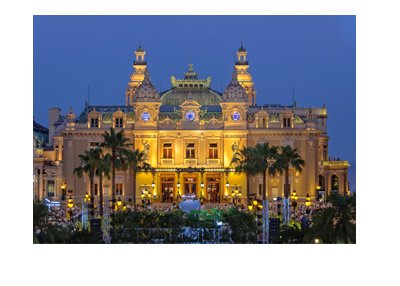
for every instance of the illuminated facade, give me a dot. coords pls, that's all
(190, 133)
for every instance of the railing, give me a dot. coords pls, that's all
(190, 161)
(335, 163)
(167, 161)
(213, 161)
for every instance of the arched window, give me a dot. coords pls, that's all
(321, 182)
(334, 183)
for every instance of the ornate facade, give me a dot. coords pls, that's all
(190, 133)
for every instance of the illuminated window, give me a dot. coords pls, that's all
(167, 150)
(118, 189)
(50, 188)
(190, 151)
(119, 122)
(213, 151)
(287, 122)
(262, 122)
(325, 153)
(94, 123)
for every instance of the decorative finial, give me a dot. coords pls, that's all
(190, 67)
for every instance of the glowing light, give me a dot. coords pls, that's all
(119, 202)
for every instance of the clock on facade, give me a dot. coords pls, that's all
(190, 115)
(146, 116)
(235, 116)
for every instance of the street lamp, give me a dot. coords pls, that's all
(227, 175)
(236, 194)
(146, 195)
(256, 207)
(87, 198)
(308, 201)
(70, 205)
(63, 191)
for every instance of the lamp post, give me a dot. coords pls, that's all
(146, 196)
(70, 205)
(236, 194)
(256, 207)
(63, 191)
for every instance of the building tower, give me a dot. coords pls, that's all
(243, 76)
(137, 77)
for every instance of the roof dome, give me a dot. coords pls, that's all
(146, 91)
(234, 91)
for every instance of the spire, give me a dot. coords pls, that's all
(241, 49)
(190, 74)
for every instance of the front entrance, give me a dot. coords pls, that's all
(213, 183)
(167, 189)
(190, 186)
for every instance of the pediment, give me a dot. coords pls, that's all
(190, 103)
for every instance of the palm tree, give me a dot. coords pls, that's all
(102, 169)
(89, 160)
(287, 157)
(336, 223)
(137, 161)
(117, 144)
(255, 160)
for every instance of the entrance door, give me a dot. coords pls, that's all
(167, 189)
(190, 185)
(213, 189)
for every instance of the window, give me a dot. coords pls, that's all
(262, 122)
(213, 151)
(50, 188)
(119, 122)
(325, 153)
(118, 189)
(190, 151)
(167, 150)
(96, 189)
(94, 122)
(287, 122)
(260, 189)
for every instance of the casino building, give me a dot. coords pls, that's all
(189, 133)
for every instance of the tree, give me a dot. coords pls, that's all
(255, 160)
(47, 227)
(287, 157)
(117, 144)
(137, 161)
(102, 169)
(336, 223)
(89, 161)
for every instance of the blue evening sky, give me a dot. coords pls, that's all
(316, 54)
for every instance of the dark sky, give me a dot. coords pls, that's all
(315, 54)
